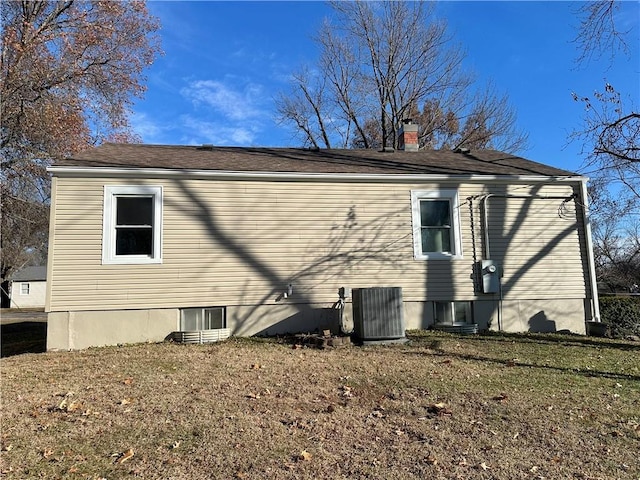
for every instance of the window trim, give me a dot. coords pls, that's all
(456, 240)
(109, 256)
(22, 288)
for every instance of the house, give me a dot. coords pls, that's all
(150, 239)
(28, 287)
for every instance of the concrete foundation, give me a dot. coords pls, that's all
(83, 329)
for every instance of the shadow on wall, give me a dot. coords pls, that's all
(349, 244)
(307, 319)
(540, 323)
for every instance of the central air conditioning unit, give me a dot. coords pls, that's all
(378, 314)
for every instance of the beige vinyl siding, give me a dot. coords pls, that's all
(241, 242)
(536, 240)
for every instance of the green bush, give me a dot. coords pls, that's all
(622, 314)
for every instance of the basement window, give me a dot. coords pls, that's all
(132, 225)
(208, 318)
(453, 313)
(436, 224)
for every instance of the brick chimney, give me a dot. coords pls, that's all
(408, 136)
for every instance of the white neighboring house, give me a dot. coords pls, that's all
(29, 288)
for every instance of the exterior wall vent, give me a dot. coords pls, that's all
(378, 314)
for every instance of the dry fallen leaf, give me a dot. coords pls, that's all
(345, 391)
(73, 406)
(126, 456)
(126, 401)
(304, 455)
(484, 466)
(128, 381)
(431, 460)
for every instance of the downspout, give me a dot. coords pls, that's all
(595, 306)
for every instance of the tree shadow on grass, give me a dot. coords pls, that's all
(573, 340)
(23, 337)
(436, 347)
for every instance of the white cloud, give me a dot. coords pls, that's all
(233, 103)
(200, 131)
(149, 130)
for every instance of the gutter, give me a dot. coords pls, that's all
(100, 172)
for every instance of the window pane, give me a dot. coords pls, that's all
(453, 312)
(214, 318)
(24, 289)
(134, 211)
(202, 318)
(434, 213)
(443, 312)
(462, 312)
(436, 240)
(191, 319)
(134, 241)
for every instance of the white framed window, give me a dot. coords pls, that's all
(24, 288)
(453, 313)
(208, 318)
(436, 224)
(132, 225)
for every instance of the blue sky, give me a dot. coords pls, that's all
(225, 62)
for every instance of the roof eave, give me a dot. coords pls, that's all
(95, 172)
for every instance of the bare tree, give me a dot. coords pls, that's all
(598, 33)
(68, 72)
(617, 254)
(383, 62)
(611, 129)
(609, 134)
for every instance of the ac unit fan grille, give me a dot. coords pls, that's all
(378, 313)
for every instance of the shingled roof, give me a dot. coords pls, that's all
(292, 160)
(32, 274)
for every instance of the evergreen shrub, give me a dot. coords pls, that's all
(622, 314)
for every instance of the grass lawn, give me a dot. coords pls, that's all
(441, 406)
